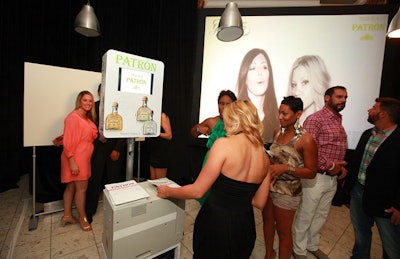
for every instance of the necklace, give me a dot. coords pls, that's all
(285, 131)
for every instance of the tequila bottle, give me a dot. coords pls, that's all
(114, 120)
(144, 112)
(150, 126)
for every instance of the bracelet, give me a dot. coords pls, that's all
(332, 167)
(291, 169)
(198, 129)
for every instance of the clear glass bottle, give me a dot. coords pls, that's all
(150, 126)
(144, 112)
(114, 120)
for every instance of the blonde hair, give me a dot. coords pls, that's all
(243, 117)
(318, 75)
(90, 114)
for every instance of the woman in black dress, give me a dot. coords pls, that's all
(237, 173)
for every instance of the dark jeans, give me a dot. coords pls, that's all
(362, 224)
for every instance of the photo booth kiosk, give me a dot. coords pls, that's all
(143, 228)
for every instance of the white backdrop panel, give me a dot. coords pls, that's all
(49, 96)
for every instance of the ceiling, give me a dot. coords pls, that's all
(284, 3)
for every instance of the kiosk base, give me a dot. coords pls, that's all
(142, 229)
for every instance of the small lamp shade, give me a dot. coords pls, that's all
(394, 27)
(86, 22)
(230, 25)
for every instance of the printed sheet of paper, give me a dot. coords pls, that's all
(164, 181)
(124, 192)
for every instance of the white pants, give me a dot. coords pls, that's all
(313, 211)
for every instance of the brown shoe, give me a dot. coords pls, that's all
(296, 256)
(319, 254)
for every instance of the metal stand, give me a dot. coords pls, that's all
(138, 160)
(139, 179)
(55, 206)
(33, 221)
(130, 155)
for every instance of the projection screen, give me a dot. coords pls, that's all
(351, 47)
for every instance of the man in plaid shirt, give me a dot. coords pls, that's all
(326, 127)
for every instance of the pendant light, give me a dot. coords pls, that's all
(394, 27)
(230, 26)
(86, 22)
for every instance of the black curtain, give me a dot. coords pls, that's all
(42, 32)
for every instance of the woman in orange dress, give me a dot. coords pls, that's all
(79, 133)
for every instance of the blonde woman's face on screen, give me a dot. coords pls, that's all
(258, 76)
(301, 87)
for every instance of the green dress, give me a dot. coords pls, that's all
(217, 132)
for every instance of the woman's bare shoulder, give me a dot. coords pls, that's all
(222, 141)
(210, 122)
(211, 119)
(307, 139)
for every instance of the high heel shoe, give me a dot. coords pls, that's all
(85, 225)
(68, 220)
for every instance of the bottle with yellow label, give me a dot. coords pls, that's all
(114, 120)
(144, 112)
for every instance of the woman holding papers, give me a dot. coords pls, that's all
(79, 133)
(236, 171)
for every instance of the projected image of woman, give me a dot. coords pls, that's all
(308, 80)
(256, 83)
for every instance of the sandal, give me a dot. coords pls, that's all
(68, 220)
(85, 225)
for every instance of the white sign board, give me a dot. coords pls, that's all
(49, 96)
(131, 100)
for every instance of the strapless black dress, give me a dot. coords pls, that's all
(225, 227)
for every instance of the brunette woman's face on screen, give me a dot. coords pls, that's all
(301, 87)
(258, 76)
